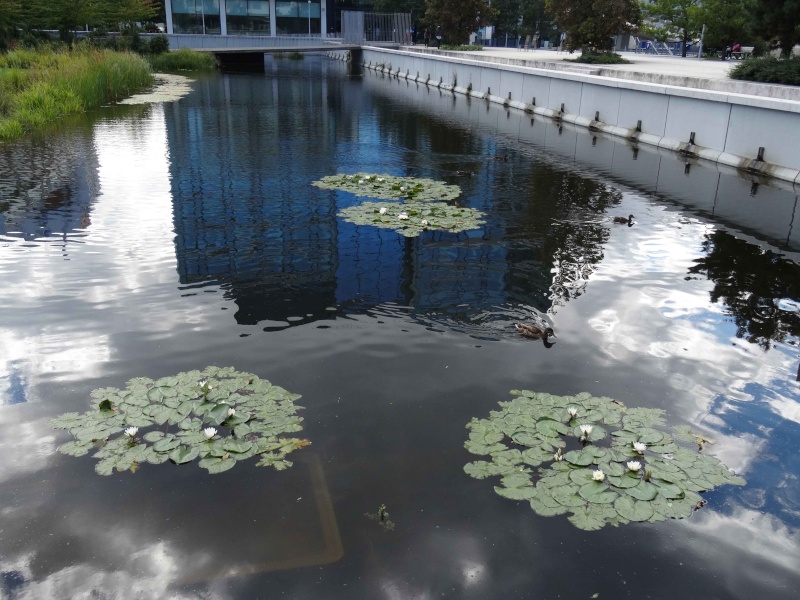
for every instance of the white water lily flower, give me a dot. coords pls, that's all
(209, 432)
(231, 411)
(131, 431)
(424, 223)
(640, 447)
(402, 189)
(586, 430)
(558, 457)
(202, 382)
(634, 465)
(382, 210)
(573, 412)
(380, 179)
(598, 475)
(402, 216)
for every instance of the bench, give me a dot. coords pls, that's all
(744, 52)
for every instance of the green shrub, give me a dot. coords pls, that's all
(295, 56)
(599, 58)
(460, 47)
(767, 69)
(184, 60)
(159, 44)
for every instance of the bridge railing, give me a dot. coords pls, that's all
(200, 41)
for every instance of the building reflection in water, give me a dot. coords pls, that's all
(247, 218)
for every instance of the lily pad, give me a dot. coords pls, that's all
(527, 430)
(413, 218)
(390, 187)
(194, 402)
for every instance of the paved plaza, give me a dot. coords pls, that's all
(666, 70)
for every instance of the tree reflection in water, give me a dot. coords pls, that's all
(760, 288)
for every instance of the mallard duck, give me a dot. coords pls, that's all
(533, 332)
(624, 221)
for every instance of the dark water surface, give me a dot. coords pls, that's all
(160, 239)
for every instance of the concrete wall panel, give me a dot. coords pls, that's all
(537, 87)
(650, 109)
(563, 91)
(778, 133)
(511, 82)
(709, 121)
(600, 99)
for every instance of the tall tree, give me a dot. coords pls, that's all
(10, 15)
(678, 18)
(508, 17)
(458, 18)
(779, 19)
(536, 17)
(67, 16)
(726, 21)
(591, 24)
(128, 12)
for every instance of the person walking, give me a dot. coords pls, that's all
(438, 36)
(427, 36)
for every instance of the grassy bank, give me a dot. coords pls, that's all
(183, 60)
(38, 87)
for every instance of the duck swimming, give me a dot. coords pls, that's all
(535, 333)
(624, 221)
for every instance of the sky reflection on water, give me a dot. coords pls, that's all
(188, 234)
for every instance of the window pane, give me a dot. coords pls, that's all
(286, 9)
(259, 8)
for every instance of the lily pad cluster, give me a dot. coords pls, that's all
(424, 204)
(593, 459)
(218, 415)
(412, 218)
(389, 187)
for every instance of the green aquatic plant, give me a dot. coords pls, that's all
(382, 517)
(412, 218)
(621, 468)
(218, 415)
(389, 187)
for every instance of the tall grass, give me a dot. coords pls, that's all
(38, 87)
(184, 60)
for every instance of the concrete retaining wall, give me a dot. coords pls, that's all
(721, 127)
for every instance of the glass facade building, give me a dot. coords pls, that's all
(253, 17)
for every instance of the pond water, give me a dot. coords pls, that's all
(150, 240)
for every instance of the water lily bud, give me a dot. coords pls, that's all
(640, 447)
(558, 457)
(634, 465)
(131, 431)
(382, 210)
(598, 475)
(209, 432)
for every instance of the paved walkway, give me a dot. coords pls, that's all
(666, 70)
